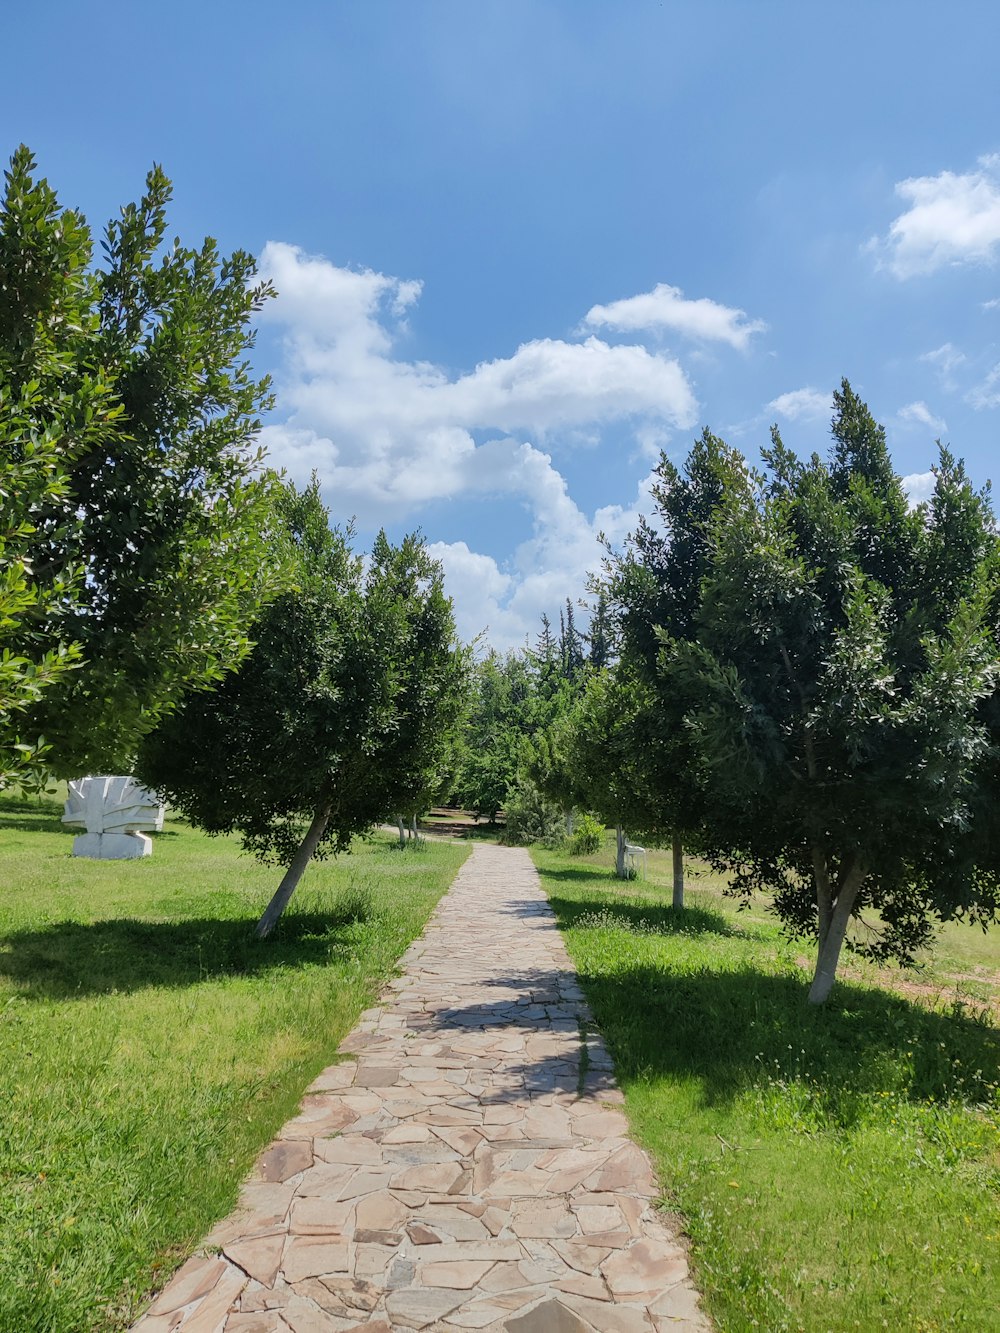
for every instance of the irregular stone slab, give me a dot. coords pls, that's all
(283, 1160)
(549, 1316)
(259, 1257)
(313, 1256)
(417, 1307)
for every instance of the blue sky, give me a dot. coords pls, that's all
(522, 246)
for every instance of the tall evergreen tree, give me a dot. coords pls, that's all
(839, 693)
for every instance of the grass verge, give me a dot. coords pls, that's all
(150, 1047)
(837, 1168)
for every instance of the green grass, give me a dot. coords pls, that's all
(836, 1168)
(150, 1047)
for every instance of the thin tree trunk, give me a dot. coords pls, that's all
(294, 872)
(413, 829)
(402, 830)
(621, 869)
(678, 851)
(834, 930)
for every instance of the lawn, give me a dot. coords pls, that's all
(836, 1169)
(150, 1047)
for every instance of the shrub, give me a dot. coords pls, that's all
(588, 836)
(531, 818)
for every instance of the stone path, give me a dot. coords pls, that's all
(469, 1170)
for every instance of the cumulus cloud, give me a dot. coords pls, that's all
(801, 405)
(388, 435)
(986, 394)
(508, 599)
(919, 486)
(952, 218)
(667, 307)
(920, 414)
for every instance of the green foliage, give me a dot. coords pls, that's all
(129, 408)
(55, 405)
(151, 1047)
(513, 698)
(654, 588)
(531, 818)
(588, 836)
(345, 702)
(836, 693)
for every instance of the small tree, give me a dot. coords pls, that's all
(838, 694)
(612, 751)
(337, 716)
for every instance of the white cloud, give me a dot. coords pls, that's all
(921, 415)
(952, 219)
(551, 565)
(944, 359)
(986, 394)
(992, 305)
(666, 307)
(919, 486)
(801, 405)
(389, 435)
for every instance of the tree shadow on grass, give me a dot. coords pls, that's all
(735, 1029)
(72, 959)
(647, 917)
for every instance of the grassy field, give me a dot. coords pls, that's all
(150, 1047)
(837, 1169)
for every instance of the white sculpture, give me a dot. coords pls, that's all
(113, 811)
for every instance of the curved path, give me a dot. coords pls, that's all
(469, 1170)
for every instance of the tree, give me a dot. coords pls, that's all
(600, 635)
(570, 646)
(135, 376)
(336, 717)
(500, 712)
(609, 753)
(53, 408)
(654, 587)
(838, 694)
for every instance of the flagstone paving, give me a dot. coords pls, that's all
(468, 1168)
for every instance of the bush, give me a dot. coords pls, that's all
(588, 836)
(531, 818)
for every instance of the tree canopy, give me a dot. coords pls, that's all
(838, 692)
(128, 414)
(339, 714)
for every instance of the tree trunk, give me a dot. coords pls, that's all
(621, 870)
(293, 874)
(833, 922)
(402, 830)
(678, 852)
(413, 829)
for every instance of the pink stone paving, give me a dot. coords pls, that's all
(455, 1170)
